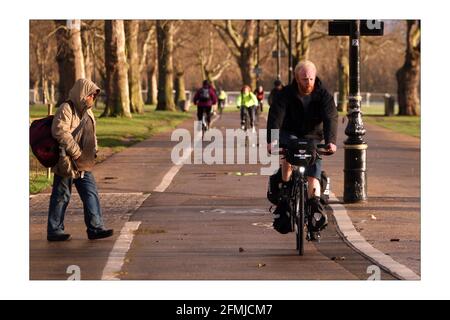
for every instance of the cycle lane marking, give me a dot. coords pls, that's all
(122, 245)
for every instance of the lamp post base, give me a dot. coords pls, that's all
(355, 173)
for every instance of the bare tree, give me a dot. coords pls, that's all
(303, 37)
(180, 88)
(408, 76)
(242, 45)
(165, 33)
(86, 40)
(134, 71)
(117, 93)
(42, 70)
(69, 56)
(209, 70)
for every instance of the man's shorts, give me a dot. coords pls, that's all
(313, 170)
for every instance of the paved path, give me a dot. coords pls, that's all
(208, 224)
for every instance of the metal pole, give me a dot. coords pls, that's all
(290, 51)
(355, 174)
(257, 52)
(278, 51)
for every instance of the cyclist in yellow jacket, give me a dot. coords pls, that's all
(247, 102)
(222, 100)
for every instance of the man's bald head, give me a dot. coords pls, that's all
(305, 75)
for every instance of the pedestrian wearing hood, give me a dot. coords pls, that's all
(74, 128)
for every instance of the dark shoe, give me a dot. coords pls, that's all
(313, 236)
(317, 219)
(58, 237)
(101, 234)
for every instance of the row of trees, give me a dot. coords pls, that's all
(161, 56)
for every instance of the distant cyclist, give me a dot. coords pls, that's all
(222, 100)
(259, 93)
(204, 99)
(305, 110)
(247, 102)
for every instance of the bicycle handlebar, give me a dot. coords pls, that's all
(321, 149)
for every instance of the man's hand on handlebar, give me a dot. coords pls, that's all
(326, 149)
(331, 148)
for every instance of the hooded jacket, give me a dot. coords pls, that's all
(75, 130)
(318, 122)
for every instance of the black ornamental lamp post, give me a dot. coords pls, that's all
(355, 166)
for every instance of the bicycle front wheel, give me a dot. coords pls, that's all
(300, 222)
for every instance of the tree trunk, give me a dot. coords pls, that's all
(343, 74)
(152, 86)
(117, 93)
(180, 90)
(35, 92)
(52, 91)
(69, 57)
(243, 46)
(408, 76)
(165, 30)
(87, 50)
(132, 31)
(45, 91)
(302, 40)
(247, 63)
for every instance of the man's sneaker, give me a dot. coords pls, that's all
(100, 234)
(318, 219)
(58, 237)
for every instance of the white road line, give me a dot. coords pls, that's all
(122, 245)
(170, 175)
(359, 243)
(168, 178)
(118, 253)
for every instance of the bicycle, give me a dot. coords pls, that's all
(205, 124)
(300, 154)
(245, 118)
(258, 111)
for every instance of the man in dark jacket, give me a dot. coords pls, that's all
(305, 110)
(204, 99)
(277, 87)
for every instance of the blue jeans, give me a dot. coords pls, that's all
(59, 200)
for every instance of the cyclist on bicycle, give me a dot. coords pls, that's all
(304, 110)
(222, 99)
(247, 102)
(204, 99)
(259, 93)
